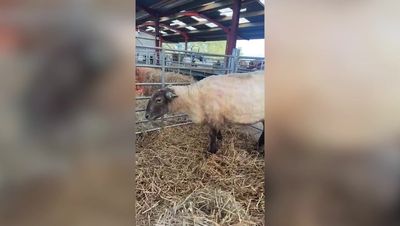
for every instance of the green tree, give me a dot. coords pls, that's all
(215, 47)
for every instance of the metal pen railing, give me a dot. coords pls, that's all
(187, 63)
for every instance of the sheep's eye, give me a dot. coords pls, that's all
(158, 100)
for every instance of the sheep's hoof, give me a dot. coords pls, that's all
(212, 149)
(219, 135)
(260, 148)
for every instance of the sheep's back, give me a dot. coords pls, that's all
(235, 99)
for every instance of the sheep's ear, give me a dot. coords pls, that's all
(170, 95)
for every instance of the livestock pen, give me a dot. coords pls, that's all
(179, 67)
(176, 182)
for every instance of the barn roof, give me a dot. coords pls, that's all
(199, 20)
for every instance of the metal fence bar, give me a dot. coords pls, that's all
(167, 117)
(181, 51)
(143, 97)
(169, 126)
(234, 60)
(260, 63)
(253, 58)
(151, 39)
(191, 63)
(162, 61)
(180, 67)
(159, 83)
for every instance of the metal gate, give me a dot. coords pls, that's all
(195, 64)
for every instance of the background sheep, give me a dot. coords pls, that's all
(216, 100)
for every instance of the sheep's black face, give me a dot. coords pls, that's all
(158, 104)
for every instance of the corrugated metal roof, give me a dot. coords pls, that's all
(172, 10)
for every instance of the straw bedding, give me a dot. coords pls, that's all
(178, 183)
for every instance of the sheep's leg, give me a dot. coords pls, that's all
(213, 148)
(219, 135)
(260, 143)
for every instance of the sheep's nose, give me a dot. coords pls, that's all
(147, 116)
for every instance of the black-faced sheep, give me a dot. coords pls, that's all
(214, 101)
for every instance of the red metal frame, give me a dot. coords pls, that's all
(232, 35)
(231, 32)
(150, 33)
(157, 31)
(152, 23)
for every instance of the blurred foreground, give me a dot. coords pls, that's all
(333, 111)
(333, 124)
(66, 101)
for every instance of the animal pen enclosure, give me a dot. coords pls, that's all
(177, 184)
(182, 63)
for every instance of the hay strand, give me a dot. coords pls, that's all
(179, 184)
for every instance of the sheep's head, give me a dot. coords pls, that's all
(158, 103)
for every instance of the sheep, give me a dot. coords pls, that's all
(215, 101)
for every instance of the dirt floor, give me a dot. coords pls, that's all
(178, 183)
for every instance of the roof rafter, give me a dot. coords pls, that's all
(246, 25)
(152, 23)
(181, 5)
(211, 7)
(150, 11)
(203, 15)
(192, 13)
(224, 28)
(141, 29)
(225, 18)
